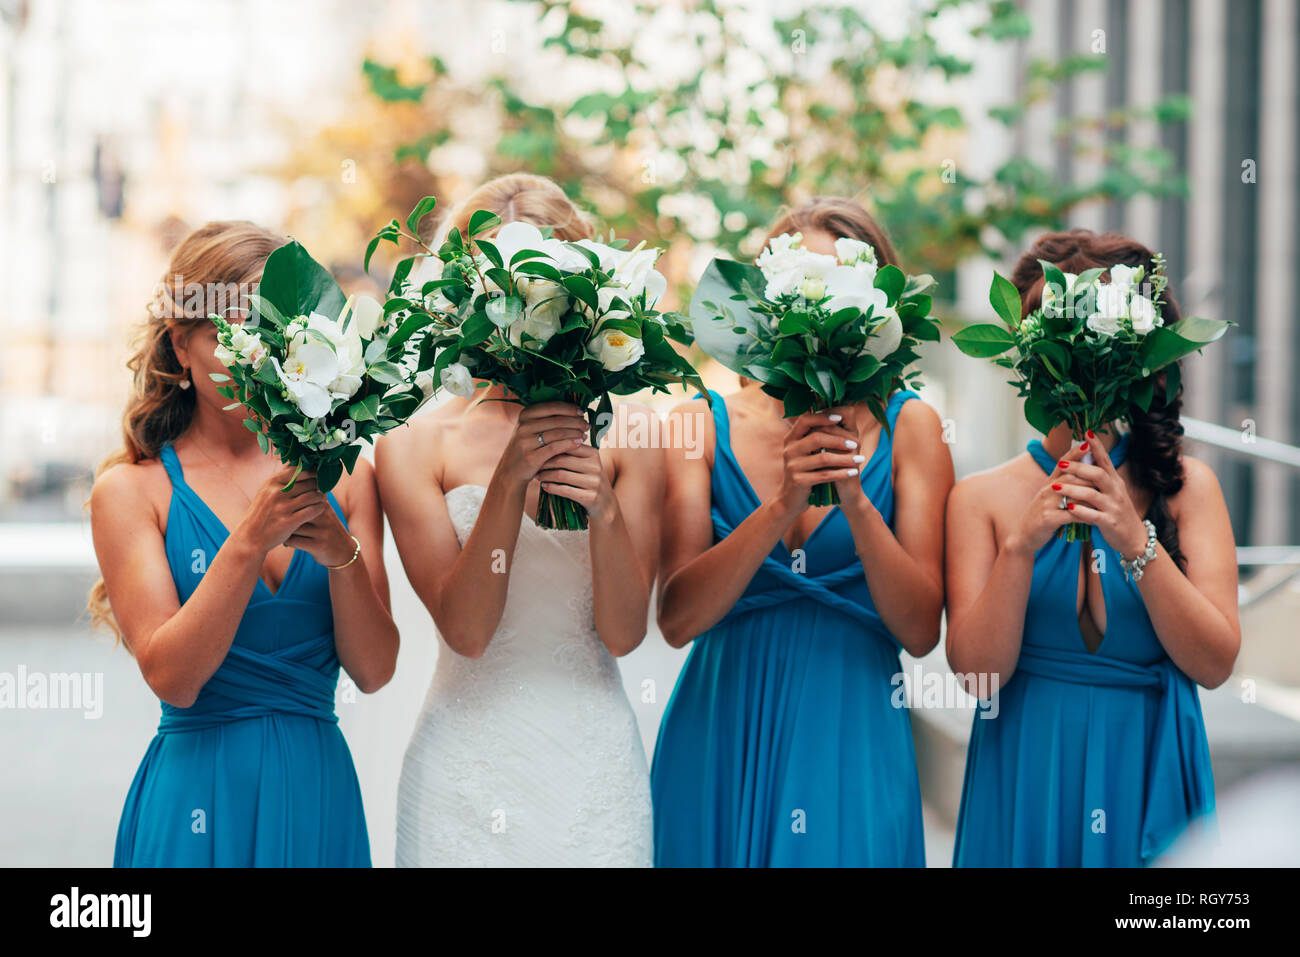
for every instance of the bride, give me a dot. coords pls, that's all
(527, 750)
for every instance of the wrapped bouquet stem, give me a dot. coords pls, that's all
(1090, 353)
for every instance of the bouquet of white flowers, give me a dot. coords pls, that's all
(1089, 354)
(317, 373)
(546, 319)
(815, 330)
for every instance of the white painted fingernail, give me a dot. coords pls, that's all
(850, 444)
(835, 417)
(859, 458)
(851, 472)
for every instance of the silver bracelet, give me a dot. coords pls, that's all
(1133, 569)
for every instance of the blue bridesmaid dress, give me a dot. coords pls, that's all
(256, 771)
(781, 746)
(1094, 759)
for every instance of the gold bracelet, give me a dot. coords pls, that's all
(355, 553)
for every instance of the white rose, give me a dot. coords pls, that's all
(1052, 296)
(1125, 277)
(366, 314)
(848, 288)
(637, 274)
(615, 349)
(1144, 314)
(854, 251)
(885, 338)
(813, 288)
(1112, 306)
(788, 272)
(545, 304)
(457, 380)
(308, 370)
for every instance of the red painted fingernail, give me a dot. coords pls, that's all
(1084, 447)
(1090, 434)
(1056, 488)
(1070, 506)
(1065, 465)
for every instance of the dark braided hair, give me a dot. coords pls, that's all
(1155, 449)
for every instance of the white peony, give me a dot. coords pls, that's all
(457, 380)
(615, 349)
(1142, 311)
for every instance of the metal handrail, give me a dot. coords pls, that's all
(1233, 440)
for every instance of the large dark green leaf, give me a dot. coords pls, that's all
(296, 284)
(714, 333)
(983, 339)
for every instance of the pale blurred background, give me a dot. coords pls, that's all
(124, 123)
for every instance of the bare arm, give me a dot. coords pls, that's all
(904, 567)
(179, 647)
(365, 636)
(1194, 615)
(702, 581)
(624, 518)
(465, 589)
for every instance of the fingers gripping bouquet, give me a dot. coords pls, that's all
(1090, 353)
(817, 331)
(546, 319)
(318, 373)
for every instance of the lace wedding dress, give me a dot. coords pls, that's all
(528, 755)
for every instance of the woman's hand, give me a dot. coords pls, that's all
(274, 514)
(818, 449)
(324, 538)
(542, 432)
(580, 476)
(1044, 514)
(1098, 496)
(849, 486)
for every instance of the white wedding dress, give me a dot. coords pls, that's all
(528, 755)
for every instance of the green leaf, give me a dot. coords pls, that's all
(983, 339)
(386, 372)
(1005, 299)
(365, 410)
(891, 281)
(422, 209)
(296, 285)
(481, 221)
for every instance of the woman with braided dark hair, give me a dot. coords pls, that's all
(1095, 753)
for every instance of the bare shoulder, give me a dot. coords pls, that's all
(413, 445)
(918, 425)
(689, 427)
(1200, 487)
(131, 491)
(981, 490)
(362, 478)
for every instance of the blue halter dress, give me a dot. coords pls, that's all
(1093, 759)
(781, 745)
(256, 771)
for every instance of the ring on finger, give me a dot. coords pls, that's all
(540, 440)
(1065, 503)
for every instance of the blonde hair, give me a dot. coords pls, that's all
(527, 198)
(218, 255)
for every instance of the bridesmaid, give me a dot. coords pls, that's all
(1097, 754)
(239, 632)
(780, 745)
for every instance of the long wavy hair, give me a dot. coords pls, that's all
(222, 256)
(1155, 449)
